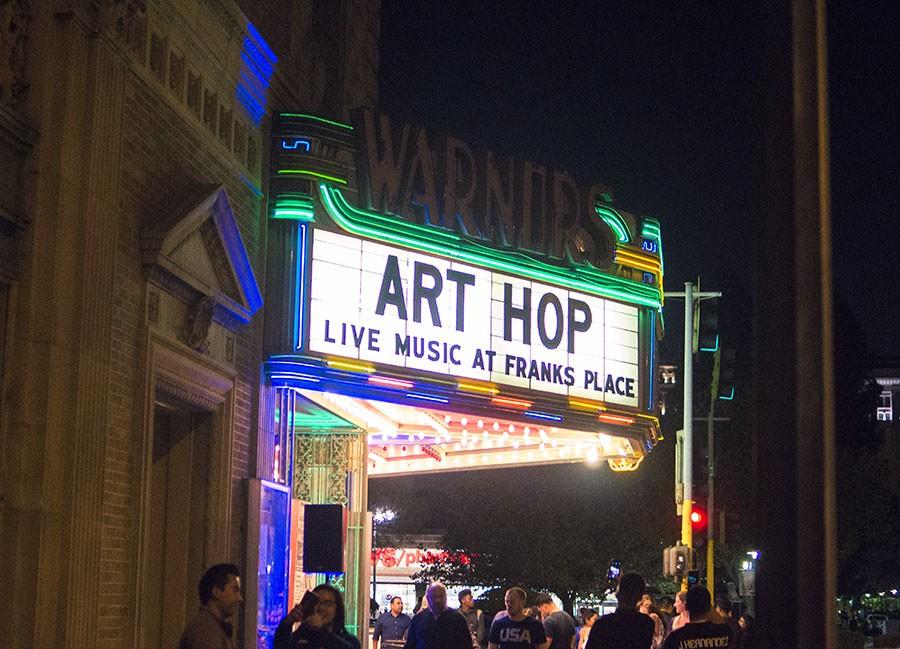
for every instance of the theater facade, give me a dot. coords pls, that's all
(432, 307)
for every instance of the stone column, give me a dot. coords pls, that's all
(60, 353)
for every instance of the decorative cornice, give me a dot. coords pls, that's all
(205, 210)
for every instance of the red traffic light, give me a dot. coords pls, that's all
(698, 519)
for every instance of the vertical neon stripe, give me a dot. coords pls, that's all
(300, 285)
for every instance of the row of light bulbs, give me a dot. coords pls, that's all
(591, 455)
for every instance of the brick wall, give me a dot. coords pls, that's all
(178, 123)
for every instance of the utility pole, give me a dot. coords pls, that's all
(710, 480)
(687, 454)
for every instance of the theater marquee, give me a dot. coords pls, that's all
(465, 308)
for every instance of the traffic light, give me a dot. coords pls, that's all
(726, 374)
(698, 526)
(708, 327)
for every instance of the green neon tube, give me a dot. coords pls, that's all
(615, 221)
(316, 118)
(314, 174)
(450, 244)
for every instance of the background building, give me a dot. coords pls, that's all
(132, 264)
(886, 373)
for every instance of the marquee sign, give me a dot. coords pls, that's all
(474, 287)
(393, 306)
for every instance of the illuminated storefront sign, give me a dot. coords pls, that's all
(405, 562)
(390, 305)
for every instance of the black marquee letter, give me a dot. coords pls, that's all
(430, 294)
(550, 299)
(577, 306)
(391, 289)
(523, 314)
(462, 280)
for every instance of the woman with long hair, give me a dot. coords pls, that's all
(647, 607)
(324, 628)
(682, 616)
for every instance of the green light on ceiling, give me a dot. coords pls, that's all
(384, 228)
(318, 420)
(316, 118)
(615, 221)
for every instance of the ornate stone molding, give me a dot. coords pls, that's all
(198, 251)
(321, 467)
(195, 329)
(126, 22)
(180, 392)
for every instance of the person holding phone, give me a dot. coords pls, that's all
(317, 622)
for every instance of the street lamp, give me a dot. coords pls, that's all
(380, 516)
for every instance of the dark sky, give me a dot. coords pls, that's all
(657, 99)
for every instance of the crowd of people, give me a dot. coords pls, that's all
(319, 621)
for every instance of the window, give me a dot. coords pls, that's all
(885, 406)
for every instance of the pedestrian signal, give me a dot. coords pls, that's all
(676, 561)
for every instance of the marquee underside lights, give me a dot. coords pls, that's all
(405, 441)
(354, 380)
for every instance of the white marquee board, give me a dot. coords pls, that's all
(472, 322)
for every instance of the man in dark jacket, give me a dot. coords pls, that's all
(474, 618)
(438, 627)
(220, 598)
(627, 628)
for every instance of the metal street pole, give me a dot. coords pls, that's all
(374, 562)
(687, 474)
(710, 480)
(687, 471)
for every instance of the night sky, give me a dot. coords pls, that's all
(656, 99)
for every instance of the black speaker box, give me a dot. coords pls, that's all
(323, 538)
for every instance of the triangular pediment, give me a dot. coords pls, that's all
(198, 243)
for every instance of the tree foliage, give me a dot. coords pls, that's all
(538, 529)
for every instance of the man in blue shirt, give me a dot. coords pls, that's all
(516, 630)
(391, 627)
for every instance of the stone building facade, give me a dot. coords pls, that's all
(133, 141)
